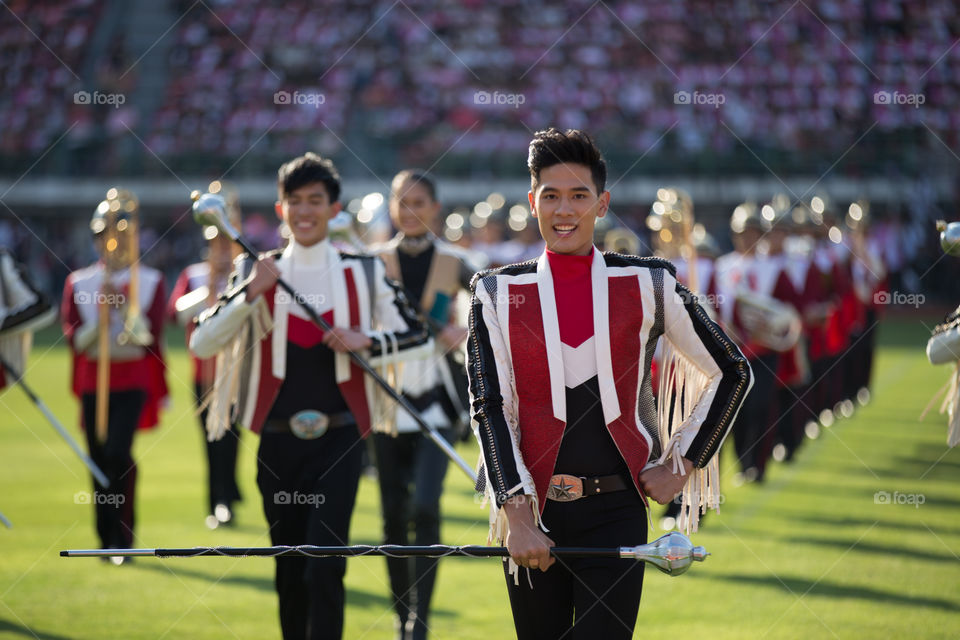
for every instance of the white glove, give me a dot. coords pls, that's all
(85, 336)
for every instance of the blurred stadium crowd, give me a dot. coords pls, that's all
(405, 83)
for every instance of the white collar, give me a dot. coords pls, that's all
(312, 256)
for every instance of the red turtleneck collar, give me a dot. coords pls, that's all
(573, 291)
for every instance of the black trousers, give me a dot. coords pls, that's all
(753, 420)
(113, 506)
(792, 419)
(309, 488)
(411, 469)
(221, 461)
(819, 398)
(860, 361)
(584, 598)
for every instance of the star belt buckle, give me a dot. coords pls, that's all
(309, 424)
(565, 488)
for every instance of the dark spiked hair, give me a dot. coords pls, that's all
(552, 146)
(308, 169)
(416, 176)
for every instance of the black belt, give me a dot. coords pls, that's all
(567, 488)
(282, 425)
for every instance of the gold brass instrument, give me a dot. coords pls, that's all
(110, 244)
(672, 226)
(115, 223)
(770, 322)
(621, 240)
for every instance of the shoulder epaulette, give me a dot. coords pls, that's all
(613, 259)
(515, 269)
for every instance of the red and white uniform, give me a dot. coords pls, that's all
(194, 278)
(348, 291)
(519, 369)
(132, 367)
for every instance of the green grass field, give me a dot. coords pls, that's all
(808, 554)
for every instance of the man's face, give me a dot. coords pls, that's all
(566, 205)
(412, 210)
(307, 211)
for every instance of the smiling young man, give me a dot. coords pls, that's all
(285, 378)
(559, 364)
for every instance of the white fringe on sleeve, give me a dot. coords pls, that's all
(950, 392)
(681, 386)
(222, 399)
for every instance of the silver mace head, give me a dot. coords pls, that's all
(949, 237)
(672, 553)
(210, 210)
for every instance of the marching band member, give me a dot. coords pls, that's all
(832, 257)
(786, 418)
(868, 277)
(294, 384)
(559, 364)
(738, 273)
(118, 367)
(410, 467)
(814, 305)
(195, 291)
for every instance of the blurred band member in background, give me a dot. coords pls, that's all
(195, 291)
(117, 288)
(410, 467)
